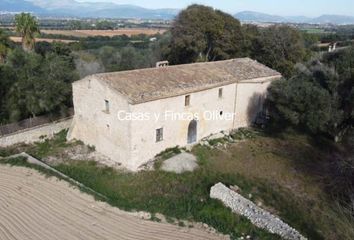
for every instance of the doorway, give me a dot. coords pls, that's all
(192, 132)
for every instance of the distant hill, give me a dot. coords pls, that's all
(249, 16)
(19, 6)
(72, 8)
(335, 19)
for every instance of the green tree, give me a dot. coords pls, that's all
(43, 84)
(200, 33)
(110, 57)
(27, 27)
(4, 45)
(7, 79)
(105, 25)
(252, 39)
(316, 99)
(132, 58)
(279, 47)
(23, 97)
(160, 48)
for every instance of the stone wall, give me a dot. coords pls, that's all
(256, 215)
(97, 127)
(35, 134)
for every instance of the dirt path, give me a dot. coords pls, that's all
(39, 208)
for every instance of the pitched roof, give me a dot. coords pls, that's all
(150, 84)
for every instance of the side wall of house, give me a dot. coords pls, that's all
(250, 99)
(94, 126)
(206, 106)
(134, 142)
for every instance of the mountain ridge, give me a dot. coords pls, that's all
(72, 8)
(251, 16)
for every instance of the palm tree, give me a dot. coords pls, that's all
(27, 27)
(4, 45)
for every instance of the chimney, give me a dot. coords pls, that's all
(162, 64)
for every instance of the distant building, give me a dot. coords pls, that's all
(332, 47)
(131, 116)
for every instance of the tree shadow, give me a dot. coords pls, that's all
(256, 111)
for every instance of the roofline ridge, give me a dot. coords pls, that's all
(172, 66)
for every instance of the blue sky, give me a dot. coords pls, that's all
(281, 7)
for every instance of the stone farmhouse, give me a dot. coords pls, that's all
(131, 116)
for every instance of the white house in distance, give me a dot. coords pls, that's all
(131, 116)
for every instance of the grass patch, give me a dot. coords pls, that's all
(169, 152)
(42, 149)
(49, 146)
(184, 196)
(279, 172)
(291, 167)
(273, 170)
(239, 134)
(244, 133)
(5, 152)
(215, 142)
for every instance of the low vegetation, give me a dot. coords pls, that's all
(285, 174)
(39, 150)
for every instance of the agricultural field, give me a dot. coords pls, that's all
(315, 31)
(37, 207)
(283, 174)
(19, 39)
(105, 33)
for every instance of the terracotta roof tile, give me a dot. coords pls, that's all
(150, 84)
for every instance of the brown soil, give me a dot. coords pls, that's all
(33, 206)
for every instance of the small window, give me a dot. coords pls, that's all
(159, 135)
(221, 113)
(220, 92)
(89, 84)
(106, 102)
(187, 100)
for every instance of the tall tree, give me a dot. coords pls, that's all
(7, 79)
(279, 47)
(4, 45)
(317, 98)
(201, 33)
(252, 39)
(43, 84)
(27, 27)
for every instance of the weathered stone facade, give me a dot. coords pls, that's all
(132, 142)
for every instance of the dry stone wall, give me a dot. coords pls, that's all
(256, 215)
(35, 134)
